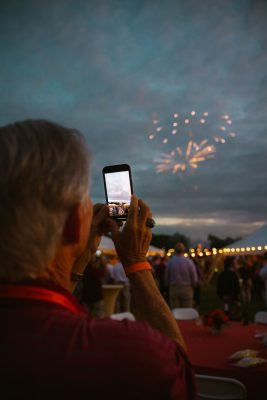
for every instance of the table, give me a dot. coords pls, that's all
(110, 294)
(210, 354)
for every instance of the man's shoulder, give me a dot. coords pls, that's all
(139, 332)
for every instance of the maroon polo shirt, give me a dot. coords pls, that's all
(48, 351)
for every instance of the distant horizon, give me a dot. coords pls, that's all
(220, 233)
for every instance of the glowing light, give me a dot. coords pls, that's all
(220, 251)
(253, 248)
(265, 247)
(232, 250)
(242, 249)
(186, 254)
(259, 248)
(201, 254)
(237, 250)
(248, 248)
(219, 139)
(190, 158)
(193, 255)
(191, 151)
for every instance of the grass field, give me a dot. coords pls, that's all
(210, 301)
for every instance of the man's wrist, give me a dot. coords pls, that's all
(136, 267)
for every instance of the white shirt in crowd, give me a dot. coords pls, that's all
(118, 274)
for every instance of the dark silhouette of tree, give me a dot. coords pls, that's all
(169, 241)
(219, 243)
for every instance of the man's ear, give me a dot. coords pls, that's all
(72, 227)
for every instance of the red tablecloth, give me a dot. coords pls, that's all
(210, 354)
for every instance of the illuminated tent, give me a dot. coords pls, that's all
(107, 247)
(256, 243)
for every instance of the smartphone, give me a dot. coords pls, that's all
(118, 190)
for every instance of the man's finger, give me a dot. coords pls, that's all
(133, 210)
(144, 212)
(101, 213)
(98, 207)
(114, 230)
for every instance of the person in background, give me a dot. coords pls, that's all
(200, 279)
(50, 347)
(245, 273)
(93, 277)
(181, 278)
(159, 271)
(228, 289)
(109, 276)
(258, 287)
(120, 278)
(263, 274)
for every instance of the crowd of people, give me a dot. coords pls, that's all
(243, 278)
(180, 280)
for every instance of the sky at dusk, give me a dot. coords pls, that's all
(109, 68)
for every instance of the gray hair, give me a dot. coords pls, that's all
(44, 171)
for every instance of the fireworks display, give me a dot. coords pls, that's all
(197, 136)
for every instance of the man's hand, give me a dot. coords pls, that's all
(133, 241)
(101, 224)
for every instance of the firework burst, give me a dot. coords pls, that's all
(180, 161)
(189, 130)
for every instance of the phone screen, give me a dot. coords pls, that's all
(118, 193)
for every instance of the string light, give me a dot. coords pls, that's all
(214, 251)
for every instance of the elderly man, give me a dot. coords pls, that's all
(181, 277)
(50, 348)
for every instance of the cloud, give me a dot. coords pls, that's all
(106, 67)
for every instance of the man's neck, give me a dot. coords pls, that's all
(59, 270)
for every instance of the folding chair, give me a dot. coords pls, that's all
(261, 317)
(123, 315)
(219, 388)
(185, 313)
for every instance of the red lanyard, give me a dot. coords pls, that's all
(36, 293)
